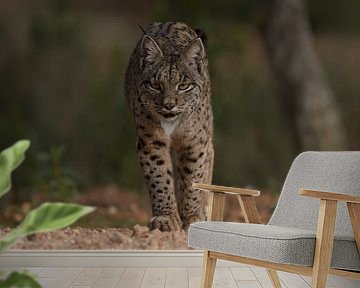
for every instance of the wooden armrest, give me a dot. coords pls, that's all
(329, 195)
(224, 189)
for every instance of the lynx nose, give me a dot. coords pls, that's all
(169, 105)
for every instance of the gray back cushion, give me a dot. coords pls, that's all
(326, 171)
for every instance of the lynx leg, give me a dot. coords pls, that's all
(156, 165)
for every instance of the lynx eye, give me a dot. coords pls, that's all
(185, 87)
(153, 85)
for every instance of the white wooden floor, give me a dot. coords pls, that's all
(141, 270)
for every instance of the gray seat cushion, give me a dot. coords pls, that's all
(270, 243)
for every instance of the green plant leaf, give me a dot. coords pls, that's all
(10, 159)
(47, 217)
(20, 280)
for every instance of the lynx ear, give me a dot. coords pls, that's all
(150, 50)
(195, 50)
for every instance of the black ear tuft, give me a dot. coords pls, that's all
(202, 35)
(142, 29)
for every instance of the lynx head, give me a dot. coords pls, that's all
(172, 78)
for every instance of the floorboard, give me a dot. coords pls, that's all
(65, 278)
(177, 277)
(293, 280)
(263, 278)
(194, 277)
(132, 278)
(154, 278)
(224, 278)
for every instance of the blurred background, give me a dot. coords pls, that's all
(285, 79)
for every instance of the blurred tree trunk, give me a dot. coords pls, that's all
(304, 93)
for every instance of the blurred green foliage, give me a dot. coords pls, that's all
(10, 159)
(61, 76)
(19, 280)
(47, 217)
(53, 178)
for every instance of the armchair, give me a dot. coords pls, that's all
(312, 232)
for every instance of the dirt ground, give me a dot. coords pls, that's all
(139, 237)
(120, 223)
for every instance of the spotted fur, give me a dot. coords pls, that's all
(168, 91)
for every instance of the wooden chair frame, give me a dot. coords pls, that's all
(324, 235)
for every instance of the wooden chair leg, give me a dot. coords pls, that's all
(324, 243)
(216, 212)
(274, 278)
(354, 212)
(208, 270)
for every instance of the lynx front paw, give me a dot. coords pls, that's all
(165, 223)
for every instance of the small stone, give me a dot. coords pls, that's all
(31, 237)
